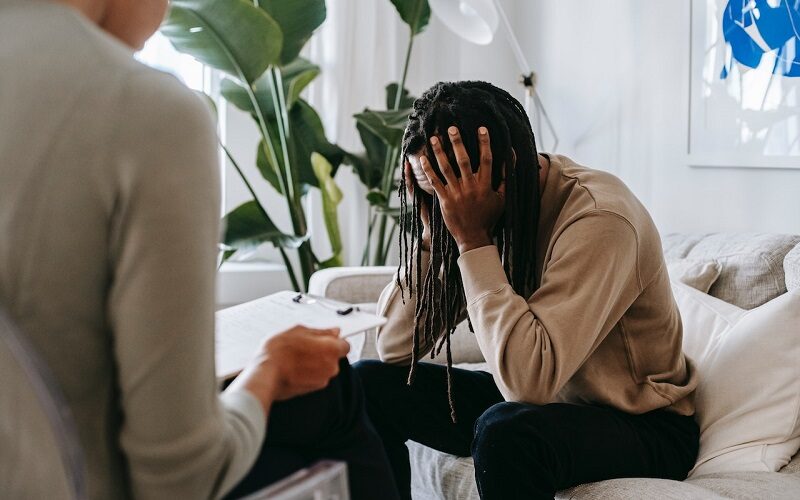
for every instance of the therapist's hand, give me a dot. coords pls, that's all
(295, 362)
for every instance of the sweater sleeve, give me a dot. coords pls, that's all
(533, 347)
(181, 438)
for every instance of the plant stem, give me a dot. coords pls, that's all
(390, 165)
(398, 96)
(286, 261)
(292, 276)
(389, 242)
(368, 245)
(295, 203)
(376, 259)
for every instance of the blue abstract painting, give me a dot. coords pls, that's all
(754, 28)
(744, 102)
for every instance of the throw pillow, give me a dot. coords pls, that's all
(748, 397)
(697, 273)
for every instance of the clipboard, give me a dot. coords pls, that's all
(241, 329)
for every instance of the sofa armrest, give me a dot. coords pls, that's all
(359, 285)
(355, 285)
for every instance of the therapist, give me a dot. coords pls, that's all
(109, 219)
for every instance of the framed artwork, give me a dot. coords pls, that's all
(745, 84)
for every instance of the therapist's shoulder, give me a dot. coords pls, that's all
(159, 102)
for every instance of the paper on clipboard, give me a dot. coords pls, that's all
(241, 329)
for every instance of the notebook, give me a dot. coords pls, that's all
(241, 329)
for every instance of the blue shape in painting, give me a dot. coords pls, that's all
(753, 28)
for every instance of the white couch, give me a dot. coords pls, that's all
(755, 269)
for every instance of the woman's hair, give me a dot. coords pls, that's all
(467, 105)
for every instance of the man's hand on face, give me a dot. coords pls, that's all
(296, 362)
(470, 206)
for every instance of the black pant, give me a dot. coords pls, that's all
(520, 450)
(327, 424)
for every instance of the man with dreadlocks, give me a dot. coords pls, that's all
(559, 270)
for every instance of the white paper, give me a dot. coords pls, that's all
(241, 329)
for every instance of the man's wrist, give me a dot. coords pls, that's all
(465, 244)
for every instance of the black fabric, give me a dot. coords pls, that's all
(520, 450)
(327, 424)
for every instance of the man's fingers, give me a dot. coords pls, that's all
(460, 152)
(444, 163)
(437, 185)
(485, 147)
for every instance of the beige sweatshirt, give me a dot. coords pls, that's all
(602, 326)
(109, 223)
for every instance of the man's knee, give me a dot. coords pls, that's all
(507, 426)
(378, 377)
(495, 428)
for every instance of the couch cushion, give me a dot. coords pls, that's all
(748, 399)
(439, 476)
(791, 266)
(749, 485)
(698, 274)
(637, 488)
(752, 263)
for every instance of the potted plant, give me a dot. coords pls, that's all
(257, 45)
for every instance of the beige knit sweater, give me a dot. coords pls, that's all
(602, 327)
(109, 223)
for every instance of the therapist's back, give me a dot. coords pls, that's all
(108, 230)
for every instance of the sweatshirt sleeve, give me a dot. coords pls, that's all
(395, 338)
(181, 439)
(533, 347)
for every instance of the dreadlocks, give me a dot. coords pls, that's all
(440, 293)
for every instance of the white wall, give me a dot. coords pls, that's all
(615, 79)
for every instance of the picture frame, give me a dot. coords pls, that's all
(744, 92)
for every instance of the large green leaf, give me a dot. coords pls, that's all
(248, 226)
(296, 76)
(377, 199)
(368, 166)
(306, 136)
(266, 168)
(387, 125)
(331, 197)
(298, 19)
(233, 36)
(406, 99)
(415, 13)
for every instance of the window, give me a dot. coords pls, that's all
(160, 54)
